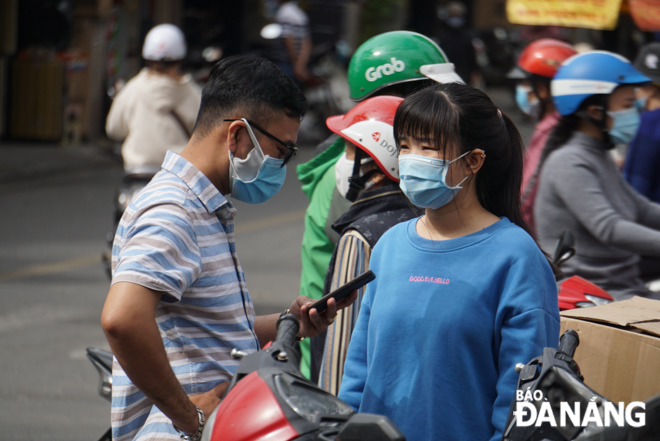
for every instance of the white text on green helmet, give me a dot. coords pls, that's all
(374, 73)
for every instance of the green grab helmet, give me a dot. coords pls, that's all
(397, 57)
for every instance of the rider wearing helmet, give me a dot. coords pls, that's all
(642, 166)
(394, 64)
(536, 67)
(156, 110)
(367, 132)
(581, 189)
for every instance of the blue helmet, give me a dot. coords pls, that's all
(591, 73)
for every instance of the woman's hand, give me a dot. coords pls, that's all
(313, 323)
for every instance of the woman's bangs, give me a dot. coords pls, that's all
(427, 116)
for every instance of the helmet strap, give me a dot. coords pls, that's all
(356, 182)
(600, 123)
(360, 183)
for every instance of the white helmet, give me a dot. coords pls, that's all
(368, 125)
(164, 42)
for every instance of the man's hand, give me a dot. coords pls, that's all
(208, 401)
(311, 322)
(129, 322)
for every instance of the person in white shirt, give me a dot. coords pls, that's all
(155, 112)
(291, 51)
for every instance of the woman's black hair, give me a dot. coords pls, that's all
(568, 124)
(454, 114)
(459, 116)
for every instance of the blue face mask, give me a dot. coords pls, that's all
(424, 180)
(640, 104)
(256, 178)
(531, 108)
(624, 126)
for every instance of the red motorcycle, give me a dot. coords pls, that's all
(268, 398)
(576, 292)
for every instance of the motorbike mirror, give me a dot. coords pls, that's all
(368, 427)
(565, 248)
(271, 31)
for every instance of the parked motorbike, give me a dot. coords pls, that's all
(575, 292)
(132, 183)
(326, 89)
(268, 398)
(556, 377)
(102, 361)
(497, 50)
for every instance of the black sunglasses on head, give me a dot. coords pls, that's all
(291, 148)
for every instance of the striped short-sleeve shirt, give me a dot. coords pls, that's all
(177, 237)
(351, 259)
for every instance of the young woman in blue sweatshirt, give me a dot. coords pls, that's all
(461, 294)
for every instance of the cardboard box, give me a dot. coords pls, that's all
(619, 351)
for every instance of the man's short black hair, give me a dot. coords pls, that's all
(247, 87)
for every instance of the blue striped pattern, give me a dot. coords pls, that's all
(177, 237)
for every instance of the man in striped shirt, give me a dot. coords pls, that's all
(178, 302)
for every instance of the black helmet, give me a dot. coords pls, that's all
(648, 61)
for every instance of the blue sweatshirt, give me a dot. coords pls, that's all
(642, 166)
(442, 327)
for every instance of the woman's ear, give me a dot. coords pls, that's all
(475, 160)
(542, 91)
(596, 112)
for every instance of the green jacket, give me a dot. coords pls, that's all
(325, 206)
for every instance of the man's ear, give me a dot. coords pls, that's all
(238, 140)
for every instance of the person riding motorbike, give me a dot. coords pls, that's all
(394, 64)
(581, 189)
(642, 165)
(537, 65)
(291, 50)
(379, 205)
(156, 110)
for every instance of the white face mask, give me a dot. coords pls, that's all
(256, 178)
(344, 170)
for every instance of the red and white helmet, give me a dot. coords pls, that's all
(164, 42)
(368, 125)
(542, 57)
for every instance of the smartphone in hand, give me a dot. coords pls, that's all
(343, 291)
